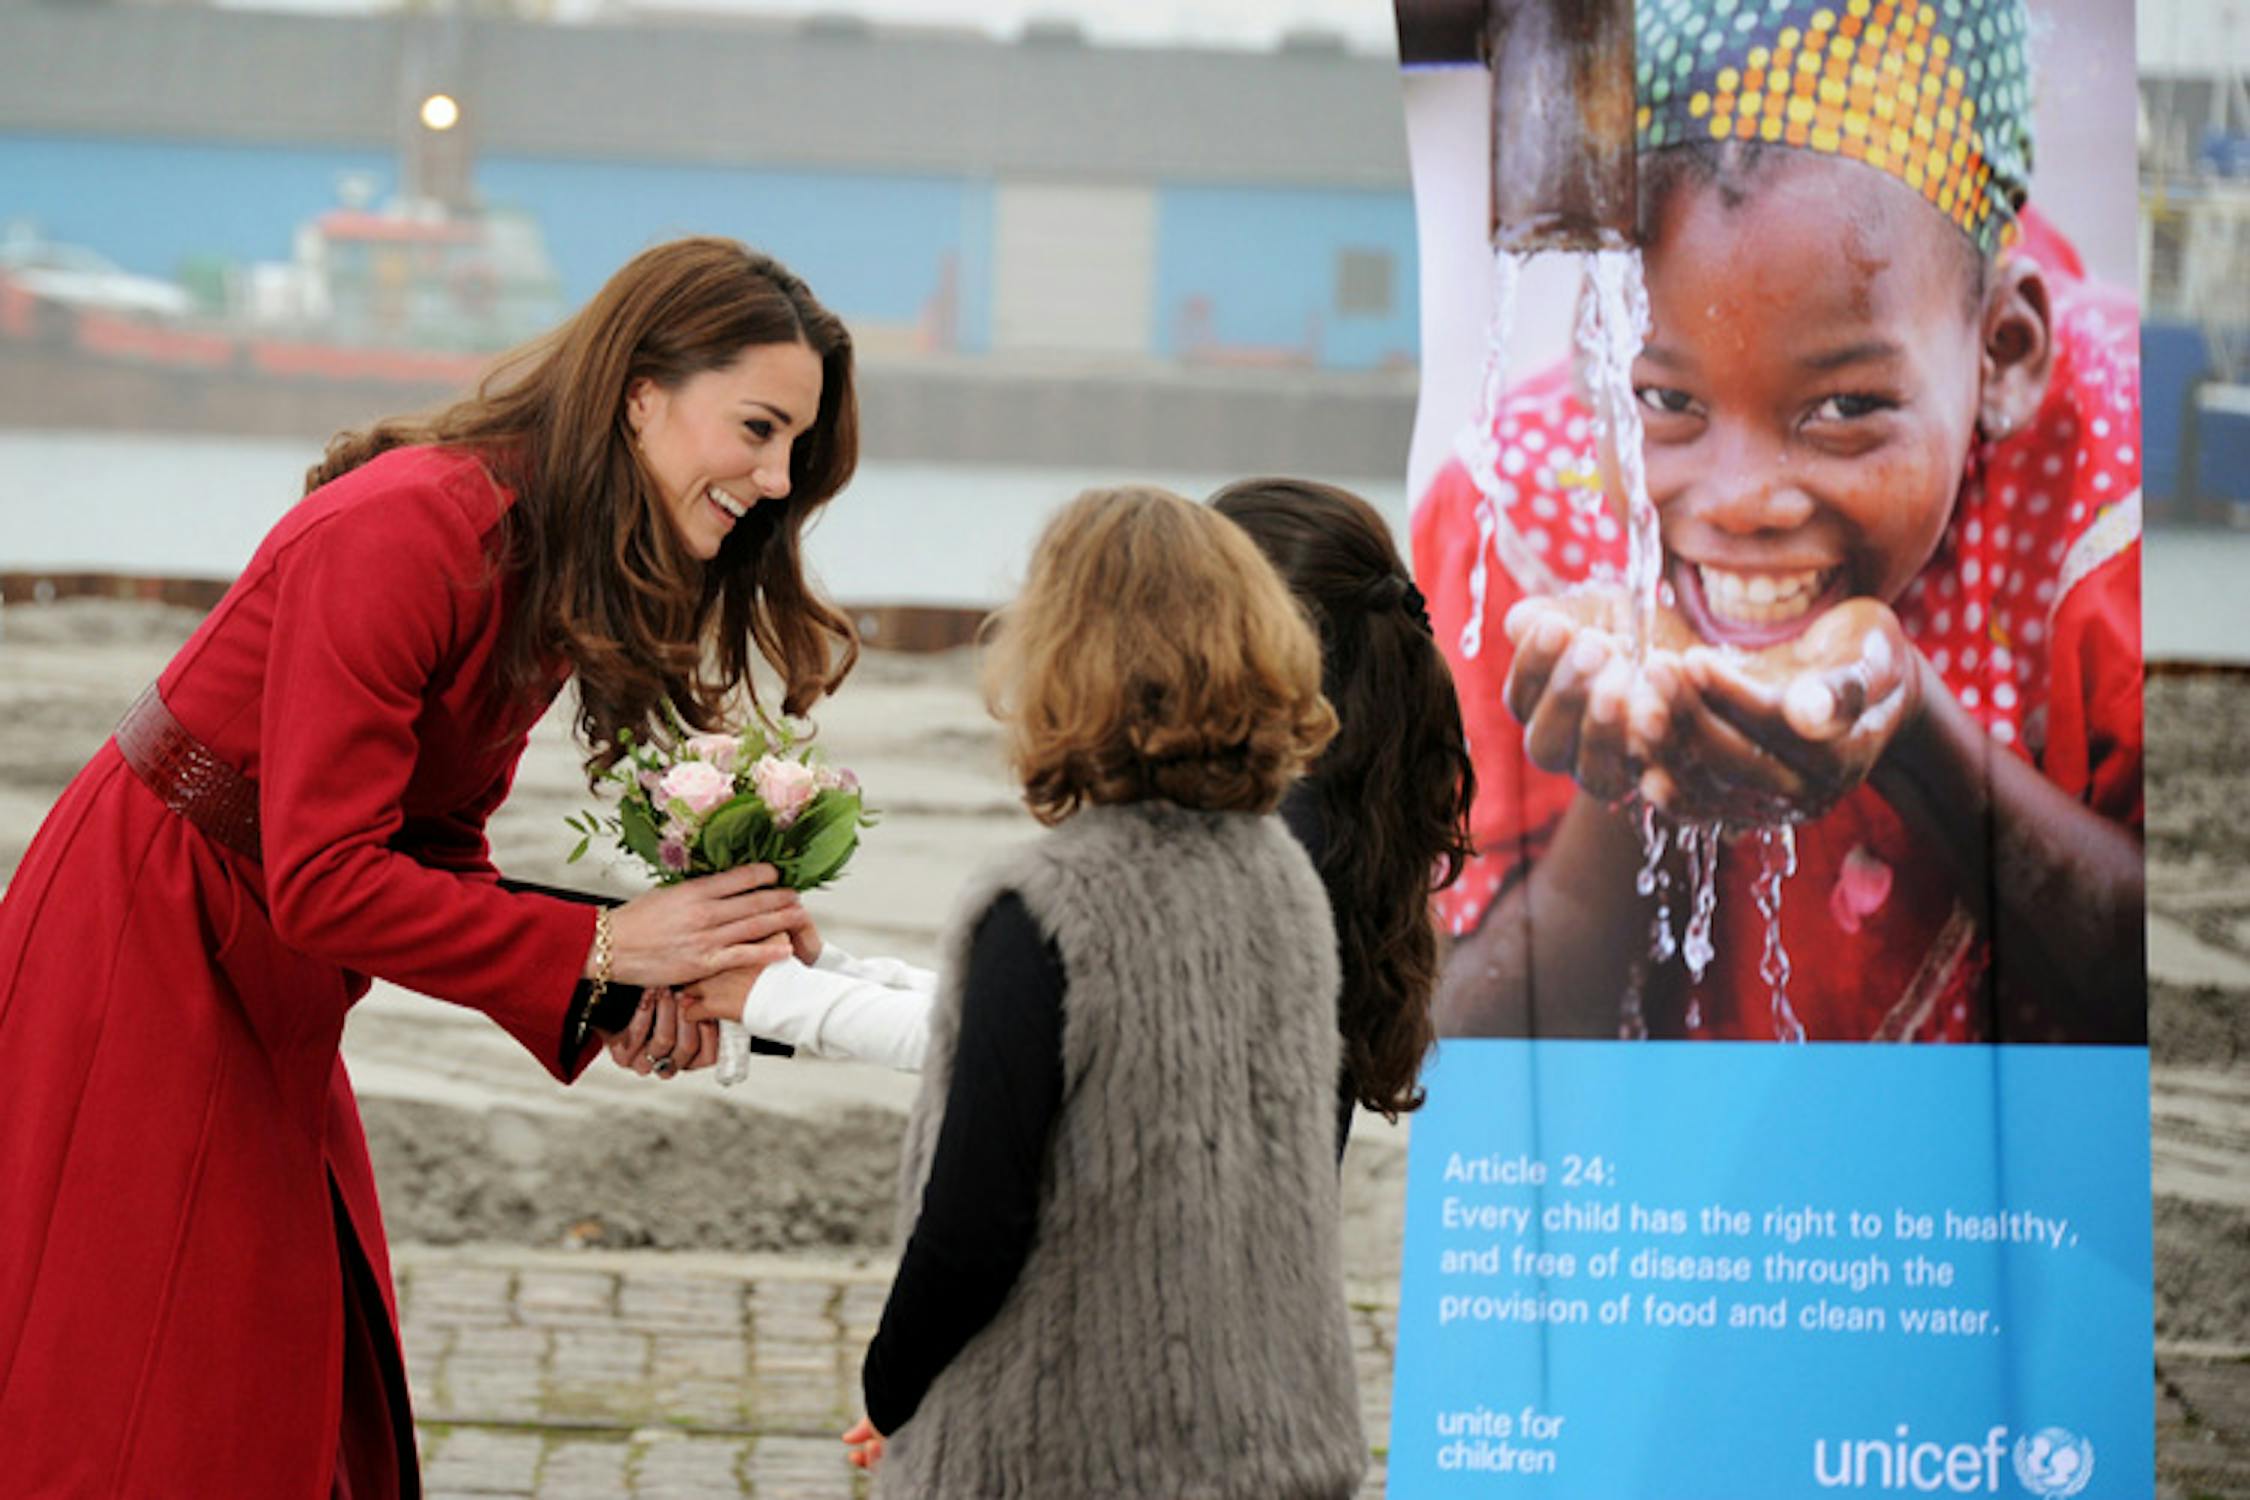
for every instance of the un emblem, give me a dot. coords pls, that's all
(2054, 1461)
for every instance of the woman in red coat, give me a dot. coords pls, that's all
(194, 1294)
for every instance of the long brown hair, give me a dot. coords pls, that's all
(603, 582)
(1154, 654)
(1394, 788)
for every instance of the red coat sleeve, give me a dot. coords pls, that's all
(367, 614)
(457, 840)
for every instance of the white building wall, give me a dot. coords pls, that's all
(2194, 36)
(1074, 268)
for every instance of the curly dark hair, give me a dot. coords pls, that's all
(606, 586)
(1394, 788)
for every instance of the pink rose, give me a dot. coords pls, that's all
(702, 787)
(674, 853)
(721, 750)
(785, 787)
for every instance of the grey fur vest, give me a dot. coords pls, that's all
(1179, 1331)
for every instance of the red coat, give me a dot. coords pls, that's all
(174, 1114)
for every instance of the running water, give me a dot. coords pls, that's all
(1777, 861)
(1699, 842)
(1613, 322)
(1484, 466)
(1656, 879)
(1612, 325)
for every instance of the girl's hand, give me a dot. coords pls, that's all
(702, 926)
(1786, 732)
(722, 997)
(805, 943)
(1587, 713)
(865, 1444)
(725, 996)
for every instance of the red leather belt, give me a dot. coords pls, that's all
(190, 780)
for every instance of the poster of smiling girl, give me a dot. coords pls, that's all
(1849, 753)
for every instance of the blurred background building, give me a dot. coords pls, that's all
(2195, 259)
(1048, 249)
(1148, 241)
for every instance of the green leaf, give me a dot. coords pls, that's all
(735, 832)
(580, 852)
(636, 830)
(826, 808)
(823, 856)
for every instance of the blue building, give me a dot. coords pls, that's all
(949, 194)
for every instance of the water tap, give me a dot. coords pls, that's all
(1562, 111)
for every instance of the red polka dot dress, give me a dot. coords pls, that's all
(2029, 610)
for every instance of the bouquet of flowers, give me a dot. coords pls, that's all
(709, 802)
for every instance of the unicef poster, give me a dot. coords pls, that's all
(1777, 499)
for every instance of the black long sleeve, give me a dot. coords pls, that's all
(980, 1208)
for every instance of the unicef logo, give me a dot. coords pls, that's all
(2054, 1461)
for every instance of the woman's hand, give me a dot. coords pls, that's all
(702, 926)
(662, 1040)
(865, 1444)
(725, 996)
(1785, 732)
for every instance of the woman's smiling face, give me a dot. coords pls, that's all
(719, 442)
(1809, 390)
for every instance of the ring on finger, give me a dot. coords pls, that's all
(664, 1066)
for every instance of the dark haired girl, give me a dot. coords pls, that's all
(1384, 811)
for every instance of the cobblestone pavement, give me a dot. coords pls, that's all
(558, 1375)
(595, 1376)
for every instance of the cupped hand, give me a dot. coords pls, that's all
(702, 926)
(1588, 711)
(1786, 732)
(864, 1443)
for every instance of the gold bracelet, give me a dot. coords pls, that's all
(602, 956)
